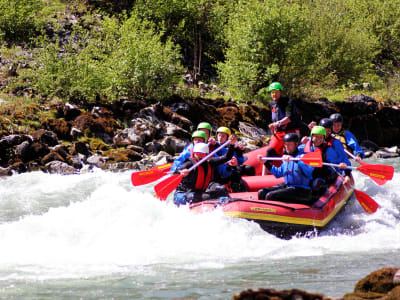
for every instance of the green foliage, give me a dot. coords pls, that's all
(295, 41)
(197, 26)
(19, 19)
(119, 58)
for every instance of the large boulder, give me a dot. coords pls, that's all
(380, 284)
(271, 294)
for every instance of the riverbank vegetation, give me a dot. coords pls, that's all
(99, 51)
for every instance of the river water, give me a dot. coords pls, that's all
(95, 236)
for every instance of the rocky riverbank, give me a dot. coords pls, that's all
(133, 134)
(383, 284)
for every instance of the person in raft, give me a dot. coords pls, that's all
(325, 174)
(285, 119)
(230, 173)
(196, 184)
(298, 176)
(207, 128)
(198, 136)
(330, 140)
(346, 137)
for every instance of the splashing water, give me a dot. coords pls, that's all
(74, 235)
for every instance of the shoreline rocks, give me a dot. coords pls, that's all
(383, 284)
(130, 134)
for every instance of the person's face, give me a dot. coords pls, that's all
(198, 140)
(328, 131)
(318, 139)
(290, 147)
(197, 155)
(206, 131)
(275, 94)
(337, 126)
(222, 137)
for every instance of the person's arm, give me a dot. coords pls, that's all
(351, 141)
(185, 154)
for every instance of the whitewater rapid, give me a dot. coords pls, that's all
(96, 224)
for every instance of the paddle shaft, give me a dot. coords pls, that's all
(336, 165)
(208, 156)
(350, 154)
(280, 158)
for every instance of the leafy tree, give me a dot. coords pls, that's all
(119, 58)
(19, 19)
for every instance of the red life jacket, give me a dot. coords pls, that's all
(205, 174)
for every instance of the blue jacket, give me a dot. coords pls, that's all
(347, 138)
(225, 170)
(295, 173)
(334, 154)
(185, 154)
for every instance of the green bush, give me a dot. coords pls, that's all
(19, 20)
(295, 42)
(118, 58)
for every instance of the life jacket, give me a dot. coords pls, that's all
(204, 175)
(322, 148)
(341, 136)
(278, 113)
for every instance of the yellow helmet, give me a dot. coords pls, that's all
(224, 130)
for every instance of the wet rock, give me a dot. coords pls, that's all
(5, 171)
(370, 145)
(78, 161)
(135, 148)
(174, 130)
(251, 131)
(98, 127)
(377, 285)
(387, 153)
(76, 133)
(58, 167)
(80, 147)
(97, 160)
(230, 116)
(153, 147)
(45, 136)
(52, 156)
(140, 132)
(69, 111)
(271, 294)
(13, 140)
(18, 166)
(123, 155)
(59, 126)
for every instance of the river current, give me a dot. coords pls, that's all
(95, 236)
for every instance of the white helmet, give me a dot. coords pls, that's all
(201, 148)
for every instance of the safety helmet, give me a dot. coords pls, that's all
(224, 130)
(327, 123)
(204, 125)
(199, 134)
(336, 118)
(291, 137)
(318, 130)
(201, 148)
(275, 86)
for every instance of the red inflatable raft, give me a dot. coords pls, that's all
(280, 218)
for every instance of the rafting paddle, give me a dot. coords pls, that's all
(366, 202)
(313, 159)
(155, 173)
(378, 173)
(165, 187)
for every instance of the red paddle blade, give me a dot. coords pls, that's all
(145, 177)
(369, 204)
(379, 173)
(313, 159)
(165, 187)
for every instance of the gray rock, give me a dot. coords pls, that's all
(58, 167)
(97, 160)
(174, 130)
